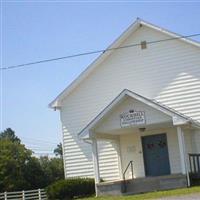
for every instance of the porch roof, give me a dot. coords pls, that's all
(177, 117)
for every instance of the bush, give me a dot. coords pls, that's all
(70, 188)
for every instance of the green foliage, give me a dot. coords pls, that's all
(35, 175)
(14, 158)
(19, 170)
(58, 150)
(9, 134)
(70, 188)
(53, 168)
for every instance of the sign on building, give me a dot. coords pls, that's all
(132, 118)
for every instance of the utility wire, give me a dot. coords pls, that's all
(38, 140)
(43, 154)
(93, 52)
(33, 145)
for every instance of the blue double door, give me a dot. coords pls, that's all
(156, 156)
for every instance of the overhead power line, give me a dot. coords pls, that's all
(92, 52)
(43, 146)
(33, 140)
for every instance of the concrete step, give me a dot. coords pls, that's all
(150, 184)
(142, 185)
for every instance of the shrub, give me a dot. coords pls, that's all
(70, 188)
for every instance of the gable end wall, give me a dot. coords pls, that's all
(168, 72)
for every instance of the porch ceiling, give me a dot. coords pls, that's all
(136, 129)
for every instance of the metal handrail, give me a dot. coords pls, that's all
(129, 164)
(124, 175)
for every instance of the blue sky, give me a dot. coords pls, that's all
(39, 30)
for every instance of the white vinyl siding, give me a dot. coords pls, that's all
(108, 160)
(167, 71)
(112, 120)
(77, 156)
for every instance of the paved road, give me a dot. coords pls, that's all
(184, 197)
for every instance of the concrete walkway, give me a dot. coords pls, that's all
(184, 197)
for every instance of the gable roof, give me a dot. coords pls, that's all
(56, 103)
(177, 117)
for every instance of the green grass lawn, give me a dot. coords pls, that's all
(151, 195)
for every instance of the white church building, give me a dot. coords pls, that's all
(131, 120)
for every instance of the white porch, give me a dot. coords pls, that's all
(128, 146)
(124, 124)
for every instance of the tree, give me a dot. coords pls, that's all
(58, 150)
(20, 170)
(9, 134)
(13, 161)
(53, 168)
(35, 174)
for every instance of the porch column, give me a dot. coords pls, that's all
(181, 142)
(119, 158)
(95, 160)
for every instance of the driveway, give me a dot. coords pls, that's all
(184, 197)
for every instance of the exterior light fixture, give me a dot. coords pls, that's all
(142, 129)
